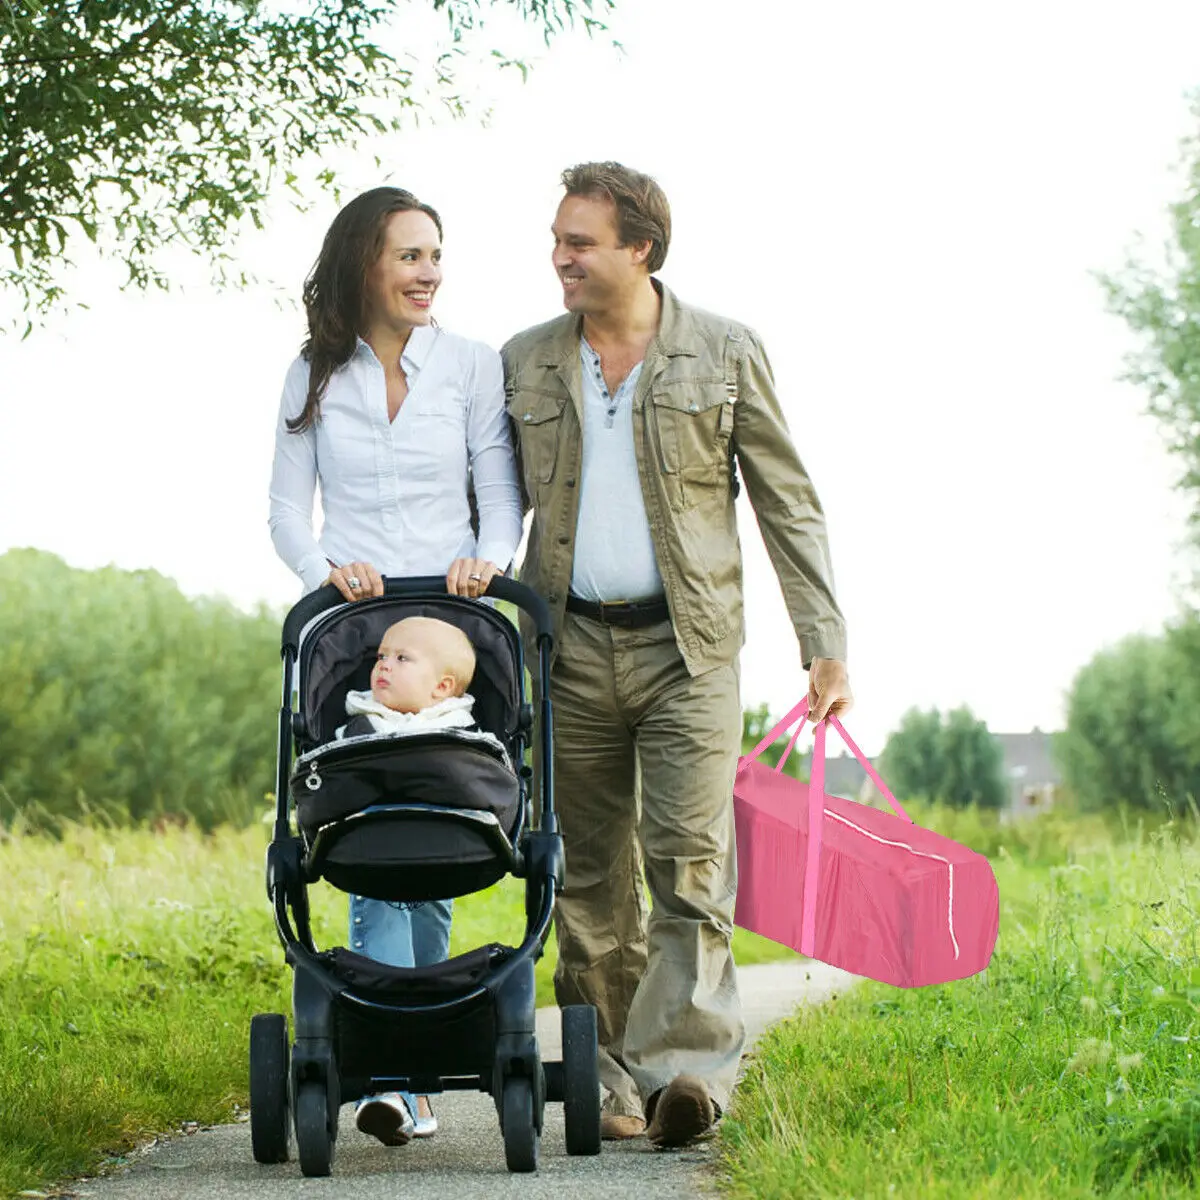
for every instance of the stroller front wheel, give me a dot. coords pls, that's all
(314, 1141)
(520, 1132)
(269, 1060)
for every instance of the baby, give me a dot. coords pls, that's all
(422, 671)
(418, 684)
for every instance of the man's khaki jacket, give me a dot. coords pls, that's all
(706, 396)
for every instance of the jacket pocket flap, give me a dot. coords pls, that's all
(691, 398)
(535, 408)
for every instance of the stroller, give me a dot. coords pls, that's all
(427, 816)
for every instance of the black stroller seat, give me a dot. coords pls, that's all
(419, 817)
(413, 817)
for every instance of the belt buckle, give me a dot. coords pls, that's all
(612, 612)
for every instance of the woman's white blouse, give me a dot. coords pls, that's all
(395, 494)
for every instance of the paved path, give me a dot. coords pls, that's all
(465, 1161)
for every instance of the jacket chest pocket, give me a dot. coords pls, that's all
(538, 421)
(694, 422)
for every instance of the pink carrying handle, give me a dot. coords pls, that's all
(800, 711)
(816, 806)
(816, 825)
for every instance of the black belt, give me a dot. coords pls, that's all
(628, 614)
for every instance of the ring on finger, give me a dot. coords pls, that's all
(476, 578)
(354, 583)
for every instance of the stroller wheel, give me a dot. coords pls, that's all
(269, 1124)
(314, 1140)
(581, 1079)
(520, 1132)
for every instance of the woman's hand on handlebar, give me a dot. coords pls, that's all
(470, 576)
(356, 581)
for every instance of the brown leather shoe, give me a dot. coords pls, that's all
(680, 1112)
(616, 1128)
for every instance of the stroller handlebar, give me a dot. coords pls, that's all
(501, 588)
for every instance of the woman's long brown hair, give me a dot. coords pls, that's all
(335, 290)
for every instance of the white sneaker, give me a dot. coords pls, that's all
(425, 1126)
(385, 1117)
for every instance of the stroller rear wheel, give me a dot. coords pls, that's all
(269, 1058)
(518, 1122)
(581, 1079)
(314, 1138)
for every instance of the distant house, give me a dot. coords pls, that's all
(1032, 774)
(844, 775)
(1028, 766)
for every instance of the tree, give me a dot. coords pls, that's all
(912, 758)
(1133, 733)
(951, 759)
(1133, 715)
(1162, 304)
(972, 763)
(139, 124)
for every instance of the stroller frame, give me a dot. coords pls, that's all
(474, 1031)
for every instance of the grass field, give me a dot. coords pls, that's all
(1065, 1070)
(132, 963)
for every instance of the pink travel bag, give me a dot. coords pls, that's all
(853, 886)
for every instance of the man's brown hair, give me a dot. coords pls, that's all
(643, 214)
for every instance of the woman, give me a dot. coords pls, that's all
(396, 420)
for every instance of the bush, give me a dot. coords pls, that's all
(126, 701)
(124, 698)
(1045, 840)
(1133, 723)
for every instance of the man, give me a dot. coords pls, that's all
(634, 415)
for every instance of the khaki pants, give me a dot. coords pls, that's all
(631, 724)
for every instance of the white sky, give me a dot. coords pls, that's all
(905, 200)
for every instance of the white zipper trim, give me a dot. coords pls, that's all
(919, 854)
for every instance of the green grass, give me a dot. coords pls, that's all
(1064, 1070)
(132, 962)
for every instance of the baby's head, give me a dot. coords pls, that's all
(421, 661)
